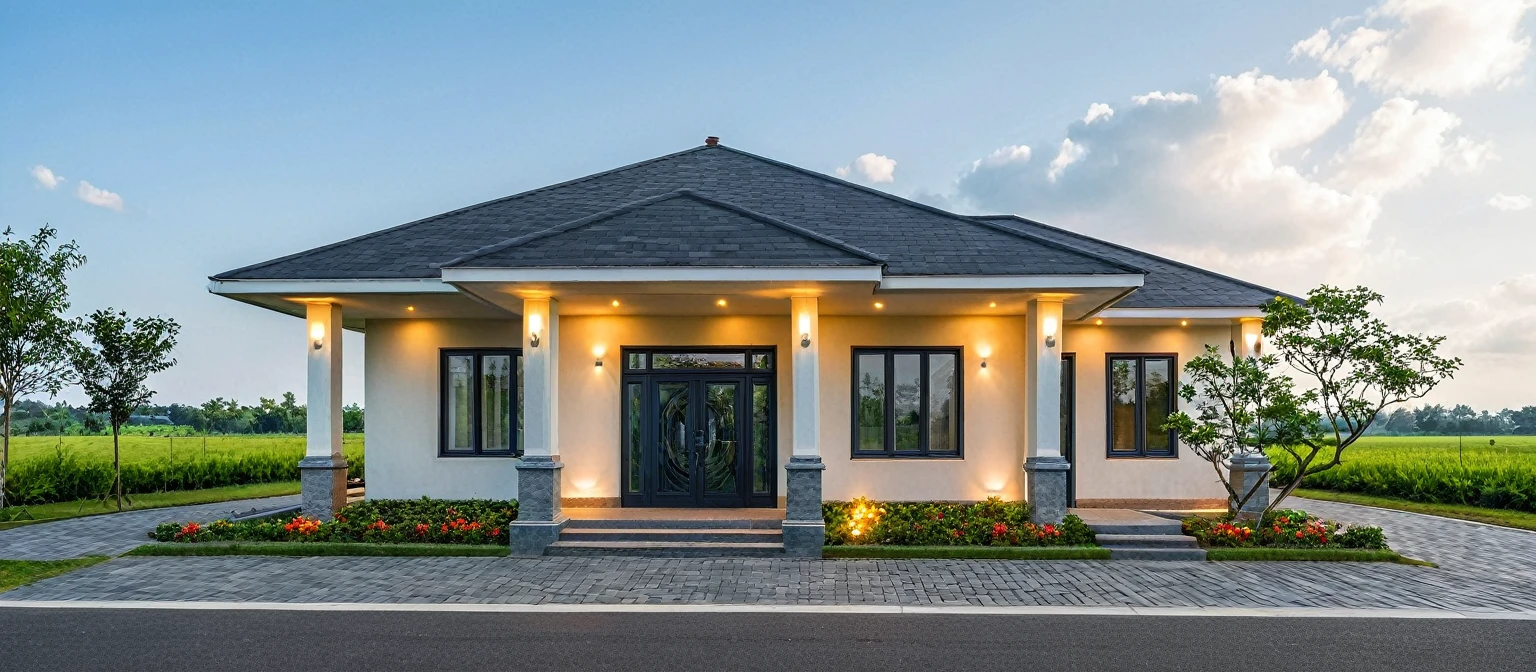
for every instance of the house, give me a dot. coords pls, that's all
(713, 328)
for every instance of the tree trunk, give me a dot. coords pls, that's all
(117, 469)
(5, 452)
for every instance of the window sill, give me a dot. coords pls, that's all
(492, 456)
(905, 458)
(1142, 457)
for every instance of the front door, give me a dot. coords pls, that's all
(698, 427)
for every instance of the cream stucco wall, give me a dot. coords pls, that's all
(402, 396)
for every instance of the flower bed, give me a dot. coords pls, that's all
(1284, 528)
(421, 521)
(989, 523)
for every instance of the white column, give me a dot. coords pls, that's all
(805, 343)
(1042, 366)
(541, 361)
(323, 414)
(1248, 336)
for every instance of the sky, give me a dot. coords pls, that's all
(1290, 143)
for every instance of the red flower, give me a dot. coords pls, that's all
(999, 530)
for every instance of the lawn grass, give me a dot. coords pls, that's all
(320, 548)
(42, 513)
(17, 573)
(1505, 517)
(1310, 555)
(136, 448)
(969, 552)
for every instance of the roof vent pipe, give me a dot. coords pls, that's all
(711, 141)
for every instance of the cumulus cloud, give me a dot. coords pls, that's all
(45, 177)
(1400, 143)
(877, 168)
(1070, 153)
(98, 197)
(1002, 156)
(1441, 47)
(1160, 97)
(1097, 111)
(1506, 203)
(1500, 320)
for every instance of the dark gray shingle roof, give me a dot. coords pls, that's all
(914, 239)
(1168, 284)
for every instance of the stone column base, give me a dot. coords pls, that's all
(322, 486)
(1045, 479)
(805, 530)
(539, 518)
(1246, 471)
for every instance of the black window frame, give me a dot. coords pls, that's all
(515, 447)
(1140, 358)
(890, 452)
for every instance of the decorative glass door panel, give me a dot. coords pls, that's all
(720, 443)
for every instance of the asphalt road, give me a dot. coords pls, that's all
(38, 640)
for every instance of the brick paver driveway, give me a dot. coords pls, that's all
(113, 533)
(1485, 569)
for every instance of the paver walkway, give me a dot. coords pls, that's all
(113, 533)
(1470, 548)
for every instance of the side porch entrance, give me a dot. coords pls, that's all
(698, 427)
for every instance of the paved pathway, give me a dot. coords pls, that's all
(1470, 549)
(112, 533)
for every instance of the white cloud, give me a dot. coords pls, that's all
(1003, 156)
(1097, 111)
(1506, 203)
(98, 197)
(1441, 47)
(1170, 97)
(875, 168)
(1400, 143)
(1498, 321)
(45, 177)
(1070, 153)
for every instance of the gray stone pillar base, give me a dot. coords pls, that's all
(1045, 479)
(322, 486)
(1245, 471)
(539, 519)
(805, 530)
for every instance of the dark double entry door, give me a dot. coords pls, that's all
(698, 429)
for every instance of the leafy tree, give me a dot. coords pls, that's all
(35, 337)
(1355, 367)
(1525, 420)
(113, 367)
(1429, 419)
(351, 418)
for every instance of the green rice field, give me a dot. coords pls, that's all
(1433, 469)
(139, 449)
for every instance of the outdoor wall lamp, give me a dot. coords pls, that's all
(597, 352)
(1050, 332)
(1253, 342)
(805, 331)
(535, 325)
(317, 334)
(985, 352)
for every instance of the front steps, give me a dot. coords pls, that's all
(1132, 535)
(694, 537)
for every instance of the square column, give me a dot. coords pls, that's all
(1247, 471)
(804, 527)
(323, 471)
(539, 518)
(1045, 470)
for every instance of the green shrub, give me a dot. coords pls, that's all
(396, 521)
(989, 523)
(1283, 528)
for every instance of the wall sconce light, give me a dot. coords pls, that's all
(1253, 342)
(805, 330)
(597, 352)
(985, 352)
(1050, 332)
(535, 325)
(317, 334)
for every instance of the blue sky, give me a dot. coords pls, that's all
(232, 134)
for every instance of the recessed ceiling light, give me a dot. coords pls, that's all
(992, 305)
(720, 302)
(411, 308)
(1183, 323)
(615, 303)
(879, 305)
(1098, 321)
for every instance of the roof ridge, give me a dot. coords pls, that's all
(940, 211)
(685, 192)
(1128, 248)
(466, 208)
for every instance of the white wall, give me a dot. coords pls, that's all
(401, 397)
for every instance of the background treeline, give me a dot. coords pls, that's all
(215, 416)
(1438, 420)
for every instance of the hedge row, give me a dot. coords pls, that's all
(63, 476)
(392, 521)
(993, 522)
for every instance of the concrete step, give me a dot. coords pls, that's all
(1141, 528)
(1123, 553)
(719, 534)
(666, 549)
(1147, 541)
(674, 524)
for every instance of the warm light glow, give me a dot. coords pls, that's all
(720, 302)
(879, 306)
(598, 350)
(410, 309)
(805, 323)
(615, 303)
(1050, 326)
(863, 516)
(992, 305)
(535, 323)
(985, 351)
(1098, 322)
(584, 484)
(317, 331)
(1183, 323)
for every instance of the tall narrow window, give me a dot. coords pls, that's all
(482, 410)
(1141, 397)
(907, 402)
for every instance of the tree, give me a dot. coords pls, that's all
(1429, 419)
(112, 368)
(1525, 420)
(35, 337)
(1354, 366)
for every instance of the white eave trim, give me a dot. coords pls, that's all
(1180, 313)
(1004, 282)
(668, 274)
(242, 287)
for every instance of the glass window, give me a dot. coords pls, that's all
(637, 360)
(762, 360)
(907, 402)
(634, 411)
(699, 360)
(1141, 397)
(482, 410)
(762, 465)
